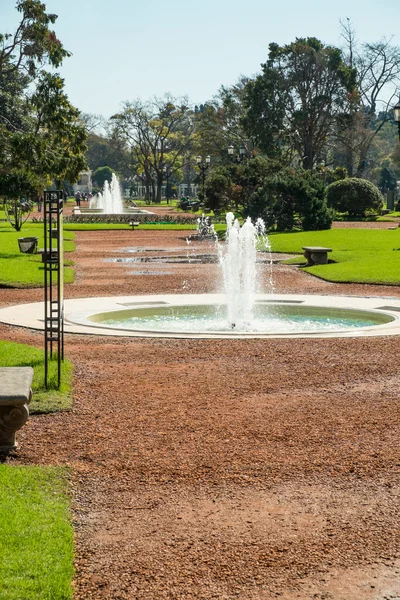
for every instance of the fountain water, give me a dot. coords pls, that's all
(110, 200)
(238, 260)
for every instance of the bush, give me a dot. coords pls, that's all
(218, 189)
(291, 200)
(126, 218)
(354, 197)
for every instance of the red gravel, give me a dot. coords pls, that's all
(248, 469)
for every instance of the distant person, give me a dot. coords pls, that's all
(39, 201)
(78, 198)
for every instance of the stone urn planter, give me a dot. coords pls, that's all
(28, 245)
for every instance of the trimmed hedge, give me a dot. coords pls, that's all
(354, 196)
(126, 218)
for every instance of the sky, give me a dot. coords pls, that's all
(125, 49)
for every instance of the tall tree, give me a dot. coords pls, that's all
(219, 122)
(293, 105)
(158, 133)
(33, 43)
(378, 81)
(41, 134)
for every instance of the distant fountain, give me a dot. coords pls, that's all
(110, 200)
(238, 260)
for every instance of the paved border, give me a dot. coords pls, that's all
(77, 311)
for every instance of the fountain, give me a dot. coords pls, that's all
(241, 312)
(110, 200)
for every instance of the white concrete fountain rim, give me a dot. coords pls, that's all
(77, 312)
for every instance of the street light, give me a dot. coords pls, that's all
(203, 166)
(238, 157)
(396, 115)
(167, 172)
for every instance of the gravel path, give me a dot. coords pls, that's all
(202, 469)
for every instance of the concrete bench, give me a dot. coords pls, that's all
(316, 255)
(49, 257)
(134, 224)
(15, 395)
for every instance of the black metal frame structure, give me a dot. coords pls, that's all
(53, 260)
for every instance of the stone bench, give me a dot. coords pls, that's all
(316, 255)
(15, 395)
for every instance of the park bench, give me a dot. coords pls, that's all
(49, 257)
(316, 255)
(15, 395)
(134, 224)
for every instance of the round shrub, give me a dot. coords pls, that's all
(354, 196)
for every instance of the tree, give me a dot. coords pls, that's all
(291, 199)
(101, 175)
(158, 133)
(41, 134)
(378, 79)
(229, 187)
(14, 187)
(218, 123)
(33, 44)
(219, 190)
(293, 106)
(101, 152)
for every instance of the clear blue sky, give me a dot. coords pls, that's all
(125, 49)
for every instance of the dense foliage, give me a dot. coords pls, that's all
(41, 135)
(354, 197)
(291, 200)
(101, 175)
(296, 101)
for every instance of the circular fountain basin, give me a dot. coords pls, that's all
(268, 318)
(204, 316)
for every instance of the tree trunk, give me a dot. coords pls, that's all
(159, 188)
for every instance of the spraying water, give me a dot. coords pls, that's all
(238, 261)
(110, 200)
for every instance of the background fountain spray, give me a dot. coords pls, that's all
(110, 200)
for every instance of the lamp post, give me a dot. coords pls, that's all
(203, 166)
(237, 157)
(167, 172)
(396, 115)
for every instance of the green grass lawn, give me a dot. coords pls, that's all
(36, 537)
(43, 400)
(359, 255)
(26, 270)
